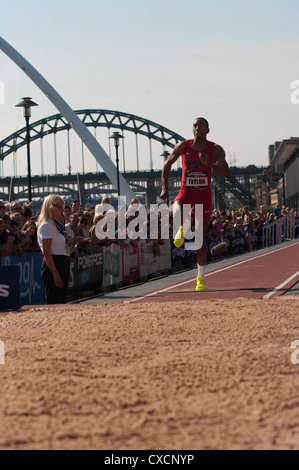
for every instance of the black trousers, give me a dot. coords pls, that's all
(55, 295)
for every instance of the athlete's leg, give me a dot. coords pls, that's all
(181, 226)
(178, 211)
(202, 258)
(203, 252)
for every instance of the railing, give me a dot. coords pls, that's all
(279, 231)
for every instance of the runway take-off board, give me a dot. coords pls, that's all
(264, 276)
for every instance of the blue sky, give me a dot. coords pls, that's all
(168, 61)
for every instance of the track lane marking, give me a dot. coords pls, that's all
(277, 289)
(208, 274)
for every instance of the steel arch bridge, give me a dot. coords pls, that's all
(111, 120)
(91, 118)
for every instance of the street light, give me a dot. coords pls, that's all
(27, 104)
(165, 154)
(116, 136)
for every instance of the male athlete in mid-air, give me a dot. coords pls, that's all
(199, 158)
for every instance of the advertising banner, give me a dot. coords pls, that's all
(112, 271)
(89, 267)
(148, 261)
(9, 288)
(130, 262)
(30, 282)
(164, 259)
(178, 257)
(72, 287)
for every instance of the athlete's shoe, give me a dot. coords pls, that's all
(201, 285)
(179, 239)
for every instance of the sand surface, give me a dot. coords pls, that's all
(183, 375)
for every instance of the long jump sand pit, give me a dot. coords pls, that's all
(183, 375)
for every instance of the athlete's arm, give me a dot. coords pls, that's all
(173, 157)
(219, 163)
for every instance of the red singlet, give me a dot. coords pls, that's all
(196, 181)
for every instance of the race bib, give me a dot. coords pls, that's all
(197, 179)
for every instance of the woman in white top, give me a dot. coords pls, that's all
(54, 246)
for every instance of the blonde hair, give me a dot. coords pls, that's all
(45, 213)
(105, 200)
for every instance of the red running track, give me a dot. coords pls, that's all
(263, 276)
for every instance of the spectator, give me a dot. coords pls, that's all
(2, 208)
(71, 227)
(262, 211)
(67, 213)
(75, 206)
(26, 213)
(19, 245)
(277, 211)
(134, 201)
(54, 246)
(16, 216)
(248, 218)
(94, 239)
(89, 218)
(6, 221)
(83, 227)
(106, 200)
(3, 233)
(271, 219)
(29, 204)
(6, 241)
(29, 231)
(15, 206)
(217, 225)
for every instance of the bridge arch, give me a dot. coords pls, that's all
(94, 118)
(91, 118)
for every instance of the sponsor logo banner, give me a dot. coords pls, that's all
(9, 288)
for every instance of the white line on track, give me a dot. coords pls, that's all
(209, 274)
(267, 296)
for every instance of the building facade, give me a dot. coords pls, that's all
(284, 157)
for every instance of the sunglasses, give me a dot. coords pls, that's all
(61, 208)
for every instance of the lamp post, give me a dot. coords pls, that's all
(165, 154)
(27, 104)
(116, 136)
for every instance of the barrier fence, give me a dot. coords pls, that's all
(279, 231)
(94, 268)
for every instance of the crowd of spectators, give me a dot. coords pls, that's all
(242, 230)
(18, 232)
(236, 231)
